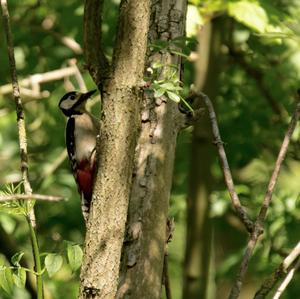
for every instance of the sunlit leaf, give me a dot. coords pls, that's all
(157, 65)
(6, 280)
(19, 277)
(53, 263)
(249, 13)
(74, 254)
(173, 96)
(159, 92)
(168, 85)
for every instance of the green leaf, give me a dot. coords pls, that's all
(16, 258)
(168, 86)
(6, 280)
(159, 92)
(159, 45)
(53, 263)
(20, 277)
(249, 13)
(179, 53)
(173, 96)
(74, 253)
(157, 65)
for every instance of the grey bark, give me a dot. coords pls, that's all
(144, 249)
(119, 128)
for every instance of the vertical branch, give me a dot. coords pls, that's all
(143, 253)
(282, 153)
(22, 137)
(120, 124)
(17, 98)
(95, 58)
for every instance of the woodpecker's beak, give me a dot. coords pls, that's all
(85, 96)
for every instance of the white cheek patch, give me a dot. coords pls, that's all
(67, 104)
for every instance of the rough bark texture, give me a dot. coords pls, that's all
(117, 141)
(199, 228)
(144, 249)
(96, 61)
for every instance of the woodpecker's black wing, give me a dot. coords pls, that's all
(70, 142)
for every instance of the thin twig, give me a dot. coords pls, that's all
(259, 223)
(77, 75)
(21, 133)
(17, 98)
(30, 87)
(255, 229)
(286, 281)
(38, 79)
(282, 153)
(295, 253)
(32, 196)
(282, 269)
(240, 210)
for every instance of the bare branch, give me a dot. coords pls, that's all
(78, 76)
(255, 229)
(282, 153)
(295, 253)
(22, 140)
(17, 98)
(33, 196)
(30, 87)
(95, 58)
(240, 210)
(286, 281)
(258, 226)
(67, 41)
(284, 267)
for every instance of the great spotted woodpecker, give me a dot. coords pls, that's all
(81, 132)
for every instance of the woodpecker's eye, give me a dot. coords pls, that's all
(72, 97)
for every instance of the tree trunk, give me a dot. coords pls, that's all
(143, 253)
(137, 140)
(120, 124)
(197, 265)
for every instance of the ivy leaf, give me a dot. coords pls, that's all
(74, 253)
(173, 96)
(20, 277)
(53, 263)
(6, 280)
(15, 259)
(249, 13)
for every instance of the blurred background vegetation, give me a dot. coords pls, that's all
(246, 58)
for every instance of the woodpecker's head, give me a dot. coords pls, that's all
(74, 102)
